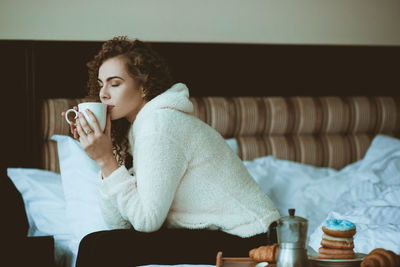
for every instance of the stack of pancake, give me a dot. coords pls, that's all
(337, 240)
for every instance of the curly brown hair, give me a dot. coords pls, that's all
(146, 67)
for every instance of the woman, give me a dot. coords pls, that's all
(187, 195)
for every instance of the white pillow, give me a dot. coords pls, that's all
(285, 182)
(44, 200)
(79, 175)
(232, 142)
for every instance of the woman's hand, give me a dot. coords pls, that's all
(72, 126)
(97, 145)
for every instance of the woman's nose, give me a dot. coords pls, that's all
(104, 94)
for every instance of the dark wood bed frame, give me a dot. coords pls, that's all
(34, 70)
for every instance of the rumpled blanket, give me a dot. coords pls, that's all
(366, 192)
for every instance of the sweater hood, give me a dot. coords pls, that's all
(177, 98)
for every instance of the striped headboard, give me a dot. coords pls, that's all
(324, 131)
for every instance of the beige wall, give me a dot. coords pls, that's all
(365, 22)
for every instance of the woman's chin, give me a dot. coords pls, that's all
(114, 118)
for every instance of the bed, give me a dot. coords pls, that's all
(297, 148)
(318, 135)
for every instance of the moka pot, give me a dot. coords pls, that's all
(292, 235)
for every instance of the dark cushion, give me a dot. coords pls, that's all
(18, 249)
(14, 222)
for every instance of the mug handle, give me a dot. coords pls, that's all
(67, 112)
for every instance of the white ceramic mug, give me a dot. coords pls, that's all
(98, 109)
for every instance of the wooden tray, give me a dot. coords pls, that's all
(238, 262)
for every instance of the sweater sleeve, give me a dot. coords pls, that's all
(110, 212)
(144, 199)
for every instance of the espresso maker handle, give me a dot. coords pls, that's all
(272, 235)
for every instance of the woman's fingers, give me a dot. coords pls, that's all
(95, 123)
(74, 131)
(72, 125)
(84, 124)
(76, 135)
(81, 131)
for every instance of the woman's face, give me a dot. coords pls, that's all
(119, 91)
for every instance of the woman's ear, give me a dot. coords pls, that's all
(144, 91)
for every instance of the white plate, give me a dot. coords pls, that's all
(313, 258)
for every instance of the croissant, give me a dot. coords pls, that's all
(380, 257)
(265, 253)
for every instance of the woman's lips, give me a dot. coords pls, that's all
(110, 107)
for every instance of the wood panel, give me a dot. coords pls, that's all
(16, 95)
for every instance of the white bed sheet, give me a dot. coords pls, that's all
(370, 199)
(366, 192)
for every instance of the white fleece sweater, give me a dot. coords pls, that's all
(184, 175)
